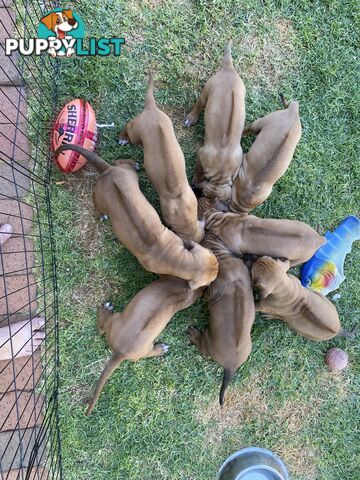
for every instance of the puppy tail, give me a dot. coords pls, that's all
(149, 98)
(227, 60)
(228, 376)
(283, 101)
(348, 334)
(92, 157)
(109, 369)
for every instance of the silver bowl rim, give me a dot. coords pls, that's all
(265, 451)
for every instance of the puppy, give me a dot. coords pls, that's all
(131, 333)
(268, 158)
(219, 160)
(60, 23)
(232, 312)
(247, 234)
(164, 163)
(282, 296)
(137, 224)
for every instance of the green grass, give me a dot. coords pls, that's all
(159, 418)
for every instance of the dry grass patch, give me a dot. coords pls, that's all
(133, 38)
(87, 227)
(254, 403)
(300, 460)
(88, 234)
(266, 53)
(177, 116)
(96, 291)
(245, 404)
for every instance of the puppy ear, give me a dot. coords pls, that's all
(49, 21)
(265, 289)
(68, 13)
(260, 285)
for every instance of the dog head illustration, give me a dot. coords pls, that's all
(60, 22)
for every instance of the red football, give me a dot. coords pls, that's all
(76, 125)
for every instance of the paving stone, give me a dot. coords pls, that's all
(25, 376)
(26, 404)
(34, 474)
(12, 99)
(7, 24)
(13, 318)
(15, 145)
(6, 3)
(10, 456)
(12, 211)
(17, 255)
(18, 187)
(9, 70)
(20, 294)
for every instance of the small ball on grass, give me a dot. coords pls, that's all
(336, 359)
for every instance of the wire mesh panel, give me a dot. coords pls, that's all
(29, 431)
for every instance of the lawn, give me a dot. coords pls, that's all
(159, 418)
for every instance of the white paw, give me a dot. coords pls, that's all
(187, 122)
(69, 52)
(109, 306)
(163, 346)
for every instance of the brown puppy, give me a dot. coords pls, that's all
(131, 333)
(282, 296)
(247, 234)
(268, 158)
(232, 312)
(164, 163)
(137, 224)
(219, 160)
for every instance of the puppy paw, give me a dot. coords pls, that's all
(193, 334)
(161, 348)
(189, 120)
(137, 166)
(103, 218)
(123, 141)
(108, 306)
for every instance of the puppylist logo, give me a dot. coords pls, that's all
(61, 33)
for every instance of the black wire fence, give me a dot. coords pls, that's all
(29, 429)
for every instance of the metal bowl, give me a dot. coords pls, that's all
(253, 463)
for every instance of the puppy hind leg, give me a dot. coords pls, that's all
(98, 213)
(197, 338)
(253, 127)
(123, 137)
(199, 106)
(198, 174)
(158, 350)
(104, 318)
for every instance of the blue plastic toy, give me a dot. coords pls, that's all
(324, 271)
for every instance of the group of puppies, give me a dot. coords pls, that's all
(210, 245)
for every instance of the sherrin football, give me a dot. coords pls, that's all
(75, 125)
